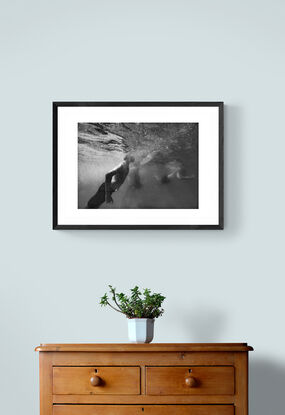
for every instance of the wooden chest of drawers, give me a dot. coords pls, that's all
(153, 379)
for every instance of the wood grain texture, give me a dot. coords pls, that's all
(142, 358)
(154, 347)
(144, 410)
(114, 380)
(241, 392)
(171, 380)
(46, 384)
(97, 410)
(71, 393)
(144, 399)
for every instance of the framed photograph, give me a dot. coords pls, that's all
(138, 165)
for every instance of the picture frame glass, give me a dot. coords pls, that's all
(137, 165)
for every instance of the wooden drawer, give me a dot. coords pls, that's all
(112, 380)
(197, 380)
(143, 410)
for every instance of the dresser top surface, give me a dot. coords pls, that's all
(153, 347)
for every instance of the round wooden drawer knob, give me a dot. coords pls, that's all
(191, 382)
(95, 380)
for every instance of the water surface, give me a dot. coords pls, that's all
(160, 150)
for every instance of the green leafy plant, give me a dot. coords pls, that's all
(138, 305)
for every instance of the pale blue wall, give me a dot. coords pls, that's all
(221, 286)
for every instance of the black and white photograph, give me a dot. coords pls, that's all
(137, 165)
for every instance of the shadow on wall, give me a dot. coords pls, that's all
(235, 168)
(266, 387)
(205, 324)
(266, 377)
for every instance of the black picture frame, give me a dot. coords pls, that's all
(58, 104)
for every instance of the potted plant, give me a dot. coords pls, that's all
(141, 308)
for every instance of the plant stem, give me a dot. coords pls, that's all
(114, 308)
(113, 291)
(117, 303)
